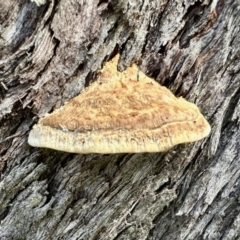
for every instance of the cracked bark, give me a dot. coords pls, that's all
(48, 53)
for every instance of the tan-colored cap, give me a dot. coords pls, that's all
(122, 112)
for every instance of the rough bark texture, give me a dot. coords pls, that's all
(49, 52)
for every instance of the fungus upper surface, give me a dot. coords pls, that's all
(121, 112)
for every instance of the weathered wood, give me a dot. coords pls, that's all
(49, 52)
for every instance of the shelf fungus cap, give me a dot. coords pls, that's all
(122, 112)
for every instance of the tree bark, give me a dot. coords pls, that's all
(50, 51)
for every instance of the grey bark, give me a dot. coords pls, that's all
(48, 53)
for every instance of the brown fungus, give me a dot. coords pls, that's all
(122, 112)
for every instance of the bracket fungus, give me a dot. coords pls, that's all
(122, 112)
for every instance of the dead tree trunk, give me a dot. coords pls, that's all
(48, 53)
